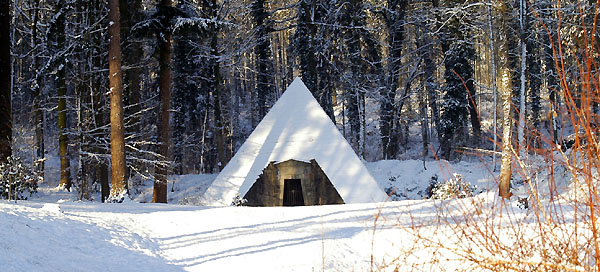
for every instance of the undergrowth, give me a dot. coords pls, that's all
(551, 223)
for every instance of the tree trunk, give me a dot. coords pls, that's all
(308, 16)
(63, 152)
(395, 25)
(220, 130)
(506, 89)
(552, 82)
(424, 124)
(159, 194)
(132, 55)
(494, 87)
(429, 69)
(5, 79)
(262, 51)
(117, 141)
(101, 171)
(38, 115)
(521, 127)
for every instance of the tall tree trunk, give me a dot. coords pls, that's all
(98, 115)
(159, 194)
(38, 115)
(265, 88)
(305, 44)
(117, 129)
(5, 79)
(552, 81)
(395, 25)
(63, 144)
(101, 169)
(523, 43)
(535, 68)
(356, 87)
(220, 129)
(424, 124)
(424, 94)
(429, 81)
(132, 54)
(506, 89)
(494, 87)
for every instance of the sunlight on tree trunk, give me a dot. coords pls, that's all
(506, 89)
(63, 140)
(117, 141)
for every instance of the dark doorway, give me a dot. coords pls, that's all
(292, 193)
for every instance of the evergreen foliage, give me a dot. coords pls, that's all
(458, 76)
(17, 181)
(378, 68)
(454, 187)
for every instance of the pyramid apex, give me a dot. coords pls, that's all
(297, 84)
(296, 128)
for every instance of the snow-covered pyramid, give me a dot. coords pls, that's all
(296, 128)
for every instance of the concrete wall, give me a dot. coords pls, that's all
(316, 187)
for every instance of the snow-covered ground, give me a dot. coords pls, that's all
(54, 232)
(152, 237)
(409, 179)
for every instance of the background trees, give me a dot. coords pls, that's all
(5, 82)
(399, 78)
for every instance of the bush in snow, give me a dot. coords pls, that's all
(238, 200)
(455, 187)
(394, 193)
(16, 179)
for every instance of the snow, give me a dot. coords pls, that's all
(409, 179)
(297, 128)
(51, 207)
(53, 231)
(152, 237)
(185, 190)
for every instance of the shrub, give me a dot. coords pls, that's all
(16, 180)
(238, 200)
(454, 187)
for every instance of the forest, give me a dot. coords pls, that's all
(139, 89)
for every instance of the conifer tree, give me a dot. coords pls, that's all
(5, 79)
(165, 13)
(311, 46)
(262, 50)
(58, 32)
(459, 98)
(117, 128)
(395, 23)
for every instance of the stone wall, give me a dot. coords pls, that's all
(268, 189)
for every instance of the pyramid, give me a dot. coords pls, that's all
(296, 128)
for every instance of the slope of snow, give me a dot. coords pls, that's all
(296, 128)
(410, 179)
(152, 237)
(182, 189)
(55, 232)
(38, 237)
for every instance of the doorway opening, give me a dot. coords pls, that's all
(292, 193)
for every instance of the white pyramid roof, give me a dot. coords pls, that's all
(296, 128)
